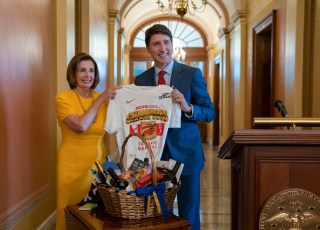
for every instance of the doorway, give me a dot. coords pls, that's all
(263, 76)
(216, 100)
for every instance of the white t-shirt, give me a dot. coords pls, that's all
(148, 110)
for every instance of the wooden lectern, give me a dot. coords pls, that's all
(266, 161)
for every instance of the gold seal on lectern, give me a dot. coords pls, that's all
(291, 209)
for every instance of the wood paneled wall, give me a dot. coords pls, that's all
(27, 120)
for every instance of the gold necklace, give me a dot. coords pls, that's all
(81, 104)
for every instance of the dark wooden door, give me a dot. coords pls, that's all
(262, 79)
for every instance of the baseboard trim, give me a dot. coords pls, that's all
(49, 223)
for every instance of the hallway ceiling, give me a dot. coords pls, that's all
(136, 13)
(184, 35)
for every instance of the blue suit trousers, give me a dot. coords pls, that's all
(189, 199)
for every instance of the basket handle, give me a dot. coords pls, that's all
(153, 162)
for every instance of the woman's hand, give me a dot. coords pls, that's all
(108, 93)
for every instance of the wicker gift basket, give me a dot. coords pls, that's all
(121, 204)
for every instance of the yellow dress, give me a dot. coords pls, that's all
(77, 153)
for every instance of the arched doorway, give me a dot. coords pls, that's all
(186, 36)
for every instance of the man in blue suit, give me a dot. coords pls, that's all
(182, 144)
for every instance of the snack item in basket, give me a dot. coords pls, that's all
(147, 165)
(140, 173)
(136, 166)
(147, 180)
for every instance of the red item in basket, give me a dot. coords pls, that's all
(146, 180)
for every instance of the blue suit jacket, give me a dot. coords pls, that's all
(184, 144)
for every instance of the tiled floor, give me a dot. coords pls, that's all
(215, 191)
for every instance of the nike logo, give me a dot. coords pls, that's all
(130, 101)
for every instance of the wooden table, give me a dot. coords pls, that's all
(99, 220)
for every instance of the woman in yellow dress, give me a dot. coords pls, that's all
(81, 114)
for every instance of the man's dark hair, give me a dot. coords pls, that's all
(157, 29)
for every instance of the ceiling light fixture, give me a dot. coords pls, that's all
(179, 54)
(182, 7)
